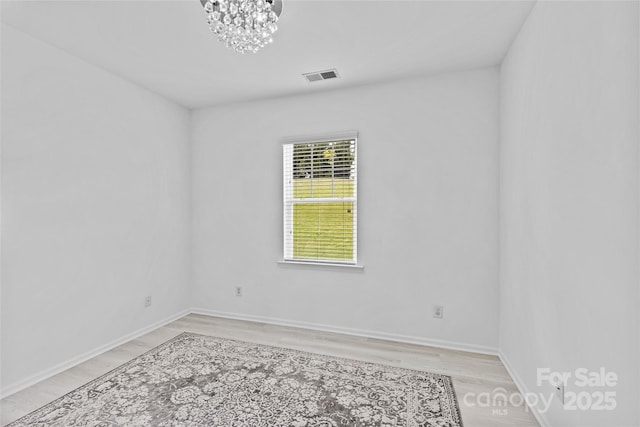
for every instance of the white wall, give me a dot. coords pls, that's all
(427, 210)
(95, 208)
(569, 201)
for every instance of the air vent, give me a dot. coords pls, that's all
(321, 75)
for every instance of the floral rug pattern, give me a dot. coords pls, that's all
(198, 380)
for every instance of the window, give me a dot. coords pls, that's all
(320, 200)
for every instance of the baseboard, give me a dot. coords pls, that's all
(522, 388)
(450, 345)
(47, 373)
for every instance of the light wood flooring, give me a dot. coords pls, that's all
(471, 372)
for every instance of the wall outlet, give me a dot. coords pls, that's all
(238, 291)
(147, 301)
(559, 390)
(438, 311)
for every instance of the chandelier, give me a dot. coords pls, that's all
(243, 25)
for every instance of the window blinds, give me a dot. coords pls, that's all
(320, 201)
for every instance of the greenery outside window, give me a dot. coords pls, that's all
(320, 200)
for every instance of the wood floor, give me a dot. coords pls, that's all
(472, 373)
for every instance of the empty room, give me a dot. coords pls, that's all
(320, 213)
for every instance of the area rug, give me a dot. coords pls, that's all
(198, 380)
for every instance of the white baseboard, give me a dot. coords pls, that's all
(450, 345)
(47, 373)
(522, 388)
(6, 391)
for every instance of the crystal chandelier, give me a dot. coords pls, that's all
(243, 25)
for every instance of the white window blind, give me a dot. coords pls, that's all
(320, 201)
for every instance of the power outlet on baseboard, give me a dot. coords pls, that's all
(147, 301)
(438, 311)
(238, 291)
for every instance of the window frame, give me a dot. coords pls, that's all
(287, 213)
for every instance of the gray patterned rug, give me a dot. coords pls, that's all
(198, 380)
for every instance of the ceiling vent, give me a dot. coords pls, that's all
(321, 75)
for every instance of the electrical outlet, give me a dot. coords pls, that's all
(438, 311)
(147, 301)
(559, 390)
(238, 291)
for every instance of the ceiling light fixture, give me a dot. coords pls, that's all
(243, 25)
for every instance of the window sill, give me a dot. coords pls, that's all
(322, 264)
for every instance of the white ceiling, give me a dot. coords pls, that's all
(166, 46)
